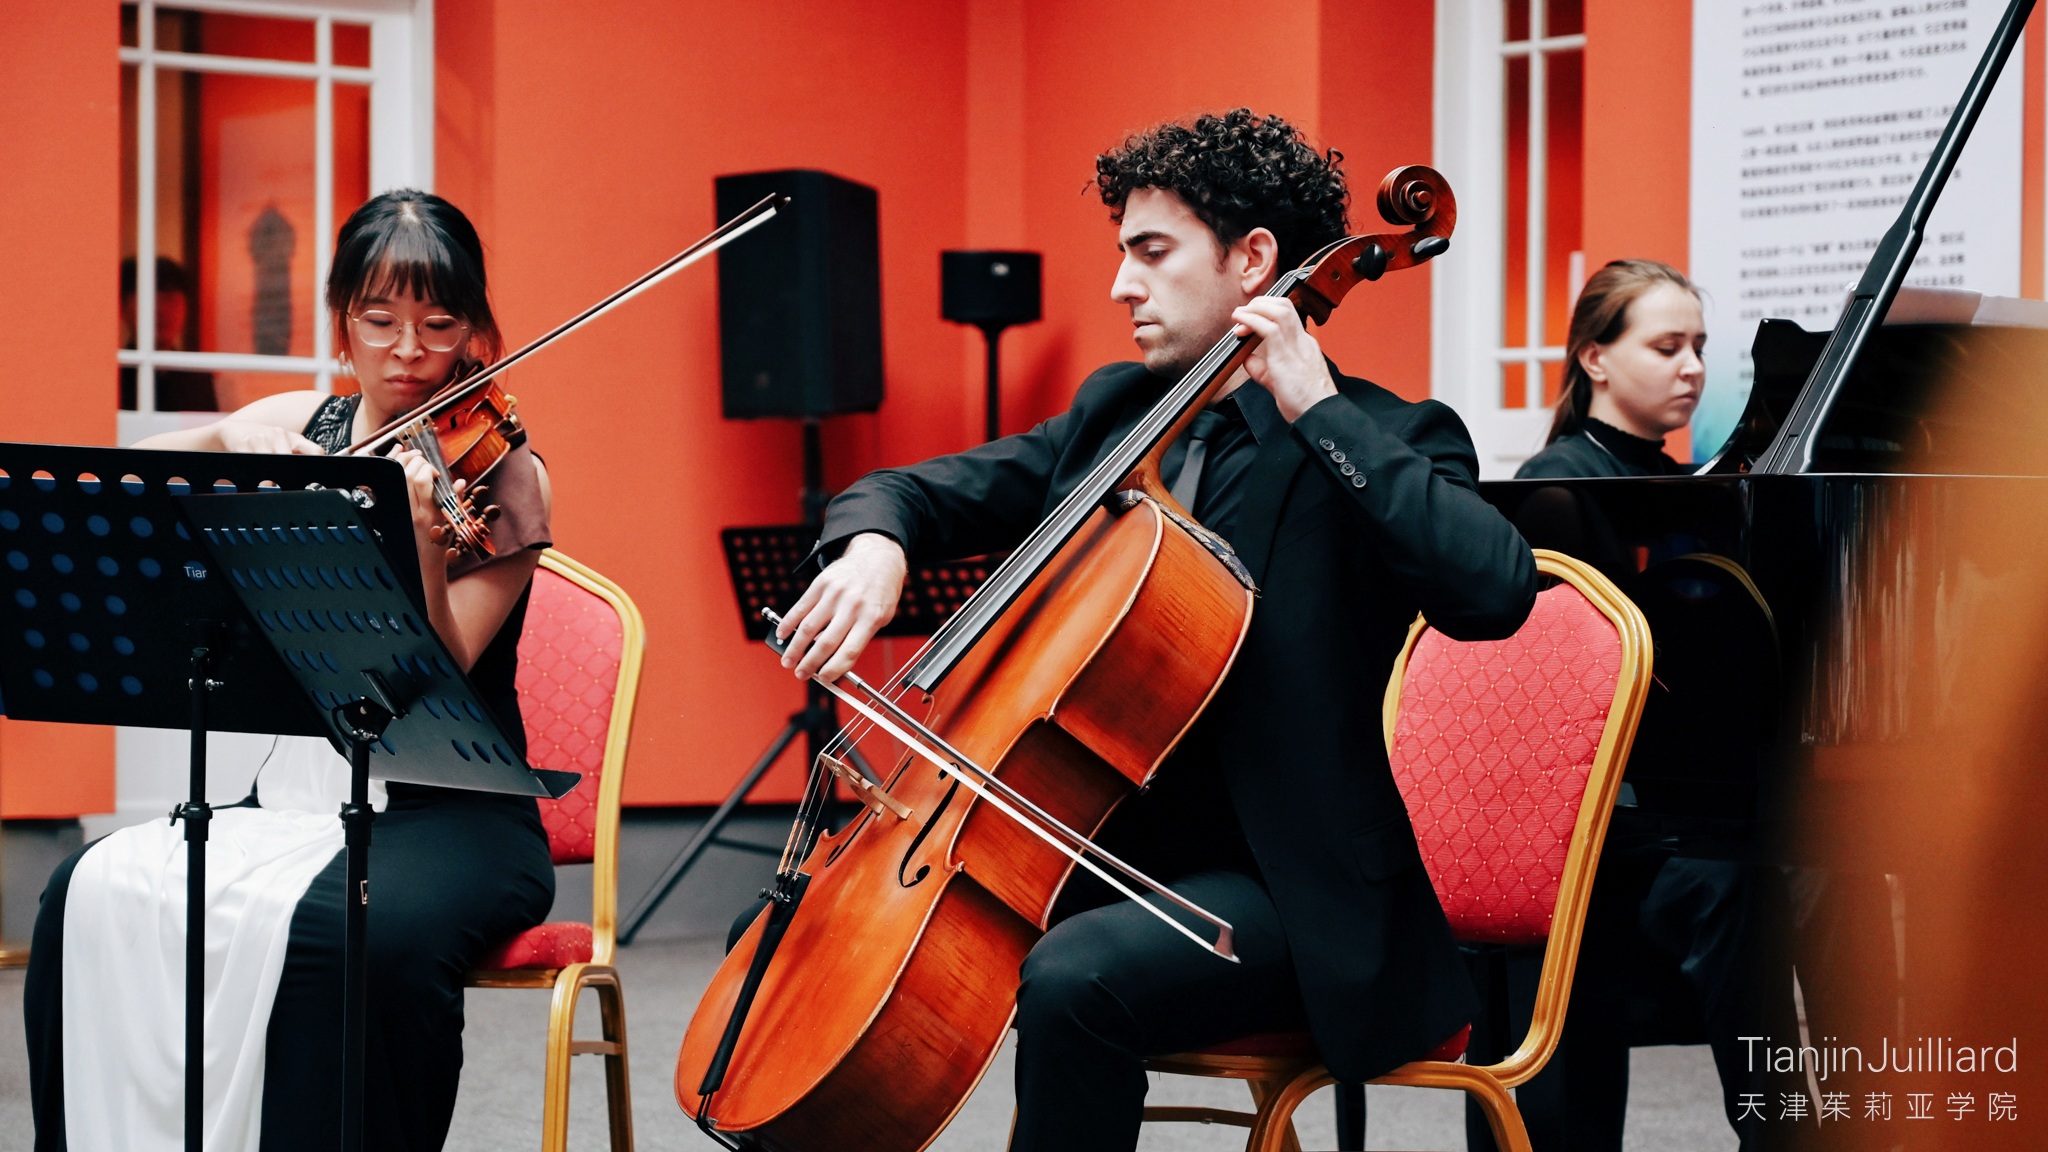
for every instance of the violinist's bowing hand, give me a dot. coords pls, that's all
(844, 607)
(256, 436)
(1288, 361)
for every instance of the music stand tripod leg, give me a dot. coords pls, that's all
(198, 817)
(364, 721)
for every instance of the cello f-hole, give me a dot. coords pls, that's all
(924, 870)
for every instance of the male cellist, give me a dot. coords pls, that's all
(1353, 510)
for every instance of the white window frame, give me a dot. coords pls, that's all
(1467, 295)
(400, 79)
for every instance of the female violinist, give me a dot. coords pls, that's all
(457, 872)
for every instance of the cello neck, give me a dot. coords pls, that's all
(1415, 195)
(1134, 460)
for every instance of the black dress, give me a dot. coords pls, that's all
(454, 873)
(1599, 449)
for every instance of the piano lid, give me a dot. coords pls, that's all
(1899, 406)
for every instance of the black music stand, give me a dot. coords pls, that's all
(114, 611)
(320, 586)
(764, 564)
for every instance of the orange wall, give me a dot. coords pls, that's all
(585, 149)
(1638, 141)
(1322, 66)
(588, 148)
(59, 213)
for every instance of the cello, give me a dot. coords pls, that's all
(868, 997)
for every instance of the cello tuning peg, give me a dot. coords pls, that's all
(492, 513)
(1371, 263)
(1430, 246)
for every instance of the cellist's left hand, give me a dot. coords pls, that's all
(1288, 361)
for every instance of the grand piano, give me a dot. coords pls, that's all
(1817, 595)
(1795, 613)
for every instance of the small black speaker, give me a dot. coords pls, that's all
(800, 298)
(989, 288)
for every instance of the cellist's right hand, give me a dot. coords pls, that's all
(844, 607)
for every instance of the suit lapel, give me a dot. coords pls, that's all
(1266, 487)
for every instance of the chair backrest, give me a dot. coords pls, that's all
(1509, 755)
(579, 673)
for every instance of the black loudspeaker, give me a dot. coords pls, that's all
(989, 289)
(800, 298)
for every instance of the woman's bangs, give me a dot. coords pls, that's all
(412, 261)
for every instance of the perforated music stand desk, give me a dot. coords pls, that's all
(118, 609)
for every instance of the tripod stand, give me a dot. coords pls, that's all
(761, 562)
(817, 722)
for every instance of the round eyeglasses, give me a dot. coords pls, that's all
(379, 329)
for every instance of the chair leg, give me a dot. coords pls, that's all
(1273, 1131)
(611, 998)
(1509, 1134)
(554, 1121)
(1265, 1093)
(1350, 1117)
(562, 1044)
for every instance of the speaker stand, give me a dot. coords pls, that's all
(992, 336)
(818, 722)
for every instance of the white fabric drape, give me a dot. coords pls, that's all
(124, 959)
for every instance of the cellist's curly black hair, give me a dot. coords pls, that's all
(1237, 171)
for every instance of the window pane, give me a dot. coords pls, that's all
(1517, 20)
(1515, 205)
(1564, 201)
(175, 318)
(255, 215)
(1564, 17)
(261, 37)
(352, 45)
(351, 149)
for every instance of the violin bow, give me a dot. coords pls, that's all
(760, 213)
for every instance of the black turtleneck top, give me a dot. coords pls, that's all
(1599, 449)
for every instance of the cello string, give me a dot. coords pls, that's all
(1019, 568)
(1030, 557)
(1222, 947)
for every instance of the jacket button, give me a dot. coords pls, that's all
(1327, 443)
(1349, 469)
(1339, 457)
(1358, 481)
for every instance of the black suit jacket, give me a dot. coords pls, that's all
(1343, 560)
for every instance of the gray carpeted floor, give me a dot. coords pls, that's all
(1674, 1103)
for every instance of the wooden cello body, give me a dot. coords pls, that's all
(865, 1019)
(914, 983)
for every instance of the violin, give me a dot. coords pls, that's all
(463, 439)
(872, 991)
(468, 427)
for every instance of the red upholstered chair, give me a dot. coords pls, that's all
(1509, 754)
(579, 669)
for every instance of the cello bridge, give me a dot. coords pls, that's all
(873, 796)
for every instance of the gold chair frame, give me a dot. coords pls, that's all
(598, 974)
(1279, 1084)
